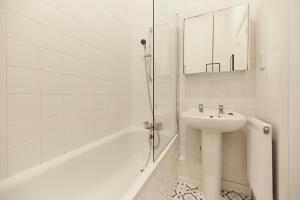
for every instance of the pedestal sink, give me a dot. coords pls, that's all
(212, 125)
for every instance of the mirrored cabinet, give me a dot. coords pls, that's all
(217, 41)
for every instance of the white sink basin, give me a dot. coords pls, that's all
(211, 120)
(212, 125)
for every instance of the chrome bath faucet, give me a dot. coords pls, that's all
(221, 109)
(201, 108)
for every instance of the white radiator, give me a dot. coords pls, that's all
(259, 158)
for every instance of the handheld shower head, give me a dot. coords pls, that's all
(144, 42)
(147, 54)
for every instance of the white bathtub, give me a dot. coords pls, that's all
(108, 169)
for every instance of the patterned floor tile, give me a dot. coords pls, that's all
(185, 191)
(232, 195)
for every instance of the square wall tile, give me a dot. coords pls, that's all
(51, 16)
(23, 132)
(51, 60)
(23, 106)
(2, 79)
(52, 83)
(87, 119)
(22, 28)
(102, 101)
(75, 28)
(2, 21)
(21, 80)
(87, 86)
(53, 126)
(29, 8)
(102, 131)
(52, 105)
(73, 141)
(52, 148)
(22, 54)
(72, 122)
(72, 47)
(72, 84)
(2, 36)
(73, 103)
(2, 50)
(87, 102)
(90, 135)
(3, 165)
(23, 158)
(73, 65)
(50, 39)
(3, 107)
(3, 136)
(3, 3)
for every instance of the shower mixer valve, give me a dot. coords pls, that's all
(149, 125)
(221, 109)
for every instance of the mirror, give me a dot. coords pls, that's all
(198, 37)
(217, 41)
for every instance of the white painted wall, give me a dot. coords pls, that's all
(294, 99)
(271, 21)
(236, 91)
(65, 77)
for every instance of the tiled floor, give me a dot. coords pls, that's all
(187, 191)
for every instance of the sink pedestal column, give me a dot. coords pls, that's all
(212, 164)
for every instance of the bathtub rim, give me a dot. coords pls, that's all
(142, 180)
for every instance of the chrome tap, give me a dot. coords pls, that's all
(201, 108)
(221, 109)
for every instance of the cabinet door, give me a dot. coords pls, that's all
(231, 39)
(198, 45)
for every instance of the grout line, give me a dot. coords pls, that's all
(49, 138)
(24, 144)
(65, 133)
(40, 88)
(6, 89)
(55, 115)
(60, 73)
(61, 94)
(37, 44)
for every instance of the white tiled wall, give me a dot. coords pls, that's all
(64, 77)
(141, 21)
(294, 98)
